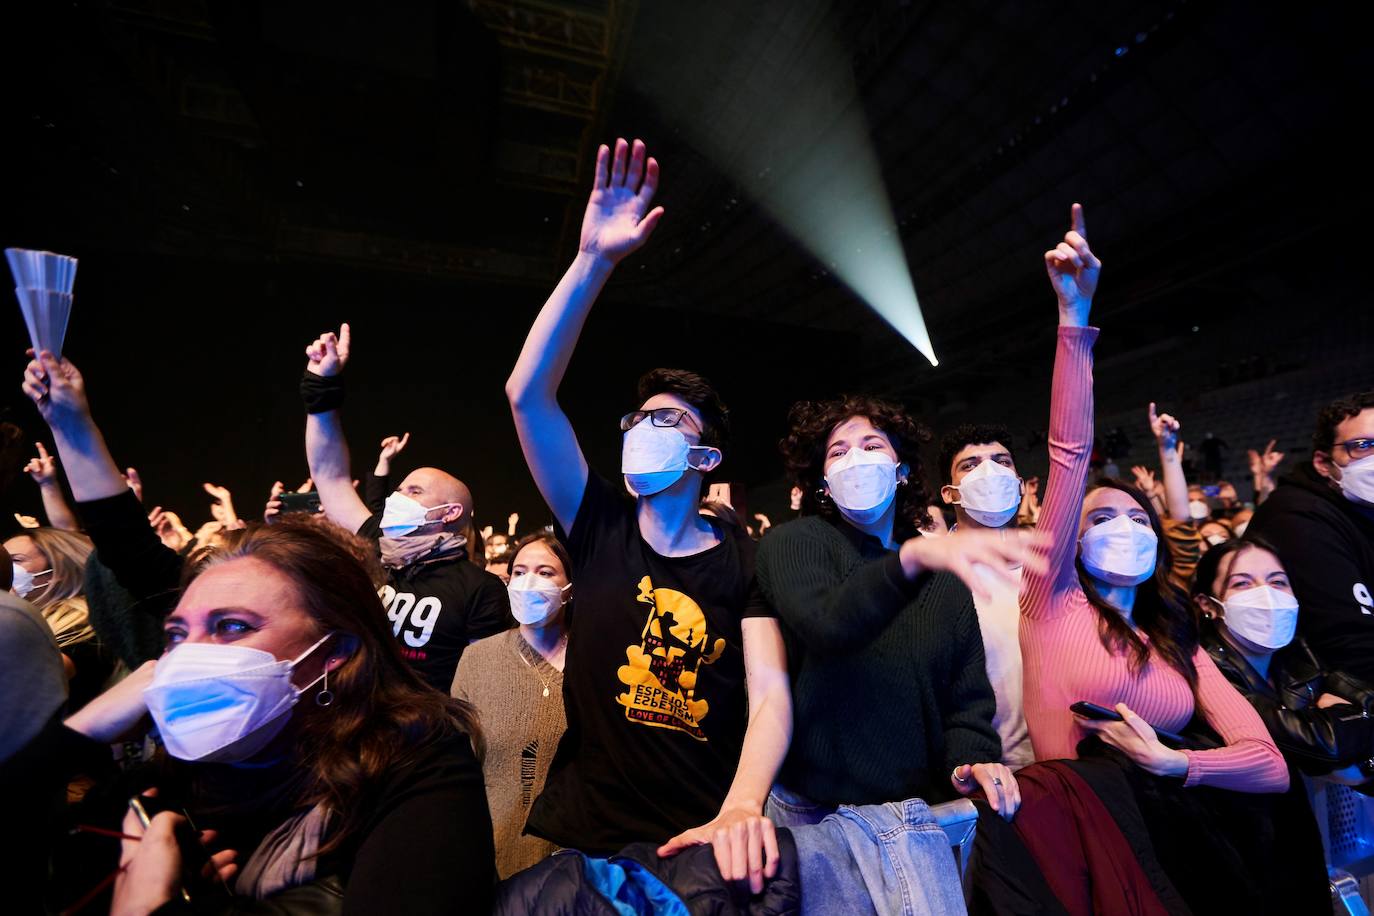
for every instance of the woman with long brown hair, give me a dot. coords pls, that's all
(296, 732)
(1104, 624)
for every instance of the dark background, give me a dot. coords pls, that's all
(236, 177)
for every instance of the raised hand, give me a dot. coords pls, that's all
(1074, 270)
(1263, 464)
(135, 482)
(57, 387)
(42, 469)
(511, 522)
(1165, 429)
(1144, 479)
(222, 509)
(169, 528)
(329, 353)
(618, 219)
(393, 446)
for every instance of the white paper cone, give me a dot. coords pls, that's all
(43, 286)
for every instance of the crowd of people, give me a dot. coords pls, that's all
(363, 702)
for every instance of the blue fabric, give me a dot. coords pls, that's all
(891, 859)
(631, 888)
(786, 808)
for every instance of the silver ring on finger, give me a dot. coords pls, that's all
(996, 780)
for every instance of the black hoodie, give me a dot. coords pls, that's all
(1326, 543)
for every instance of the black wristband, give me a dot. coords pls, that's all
(321, 394)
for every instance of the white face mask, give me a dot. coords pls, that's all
(1240, 529)
(534, 599)
(1198, 510)
(990, 494)
(1120, 551)
(653, 458)
(1264, 615)
(402, 515)
(1215, 539)
(23, 580)
(1357, 480)
(222, 703)
(862, 484)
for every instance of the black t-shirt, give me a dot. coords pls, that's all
(437, 608)
(653, 684)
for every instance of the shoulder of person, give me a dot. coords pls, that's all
(439, 764)
(808, 529)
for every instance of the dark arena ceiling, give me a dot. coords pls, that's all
(235, 176)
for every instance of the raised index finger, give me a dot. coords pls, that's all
(42, 452)
(345, 340)
(1076, 218)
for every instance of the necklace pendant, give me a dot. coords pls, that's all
(546, 691)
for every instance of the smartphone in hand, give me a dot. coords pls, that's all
(1103, 714)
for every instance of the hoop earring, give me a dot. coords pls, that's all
(325, 696)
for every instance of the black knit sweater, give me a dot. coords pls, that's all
(889, 686)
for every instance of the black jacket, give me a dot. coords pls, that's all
(1326, 543)
(1316, 741)
(559, 884)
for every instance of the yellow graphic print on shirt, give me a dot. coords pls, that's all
(661, 673)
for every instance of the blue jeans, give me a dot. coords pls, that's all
(891, 859)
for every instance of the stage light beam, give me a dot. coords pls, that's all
(781, 115)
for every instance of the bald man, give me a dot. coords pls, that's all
(438, 602)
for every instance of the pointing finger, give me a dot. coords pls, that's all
(1076, 219)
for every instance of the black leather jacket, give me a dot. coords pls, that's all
(1315, 740)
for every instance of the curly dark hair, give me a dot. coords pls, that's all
(1161, 608)
(803, 450)
(1334, 414)
(970, 434)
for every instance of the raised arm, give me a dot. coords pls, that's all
(114, 519)
(326, 449)
(59, 390)
(43, 470)
(617, 221)
(1165, 429)
(1073, 270)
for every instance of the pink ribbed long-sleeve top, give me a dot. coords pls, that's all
(1064, 658)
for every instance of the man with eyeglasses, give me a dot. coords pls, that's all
(663, 743)
(1321, 519)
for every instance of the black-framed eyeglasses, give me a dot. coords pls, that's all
(662, 416)
(1357, 448)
